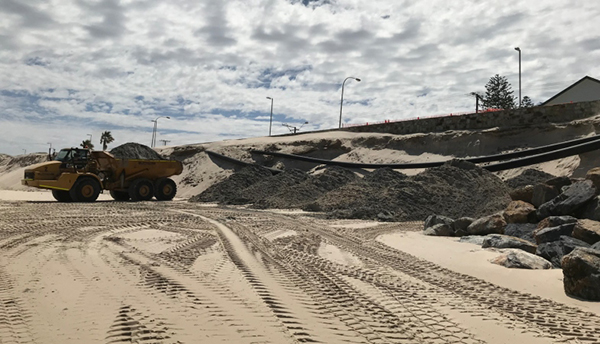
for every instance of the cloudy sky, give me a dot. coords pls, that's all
(73, 68)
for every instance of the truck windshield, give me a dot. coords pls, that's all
(63, 155)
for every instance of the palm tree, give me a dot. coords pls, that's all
(87, 144)
(105, 139)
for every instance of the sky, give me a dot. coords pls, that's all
(72, 69)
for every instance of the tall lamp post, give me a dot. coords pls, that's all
(271, 120)
(153, 143)
(342, 100)
(519, 50)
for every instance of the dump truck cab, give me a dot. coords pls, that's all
(79, 174)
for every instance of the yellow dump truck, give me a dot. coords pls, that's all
(79, 175)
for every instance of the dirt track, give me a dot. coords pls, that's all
(177, 272)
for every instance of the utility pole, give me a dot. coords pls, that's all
(164, 142)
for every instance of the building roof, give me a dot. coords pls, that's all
(570, 87)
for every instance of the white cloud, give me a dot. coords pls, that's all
(73, 67)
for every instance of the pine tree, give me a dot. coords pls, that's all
(498, 94)
(526, 102)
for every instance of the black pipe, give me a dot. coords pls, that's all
(545, 153)
(238, 162)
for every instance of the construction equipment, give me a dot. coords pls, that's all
(79, 175)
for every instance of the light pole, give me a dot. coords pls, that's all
(342, 100)
(153, 143)
(519, 50)
(271, 120)
(90, 135)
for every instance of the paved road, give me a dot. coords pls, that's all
(177, 272)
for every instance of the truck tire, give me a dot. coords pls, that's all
(85, 190)
(62, 196)
(165, 189)
(121, 196)
(141, 190)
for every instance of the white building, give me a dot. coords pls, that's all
(584, 90)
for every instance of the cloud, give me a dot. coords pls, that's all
(85, 66)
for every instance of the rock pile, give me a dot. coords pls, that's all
(561, 227)
(132, 150)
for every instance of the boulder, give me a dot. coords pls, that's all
(505, 241)
(591, 210)
(518, 212)
(524, 194)
(594, 176)
(596, 246)
(519, 259)
(433, 220)
(487, 225)
(574, 197)
(543, 193)
(553, 233)
(554, 221)
(441, 229)
(587, 230)
(555, 250)
(521, 230)
(460, 226)
(581, 270)
(473, 239)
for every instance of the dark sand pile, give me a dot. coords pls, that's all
(529, 177)
(232, 189)
(455, 189)
(132, 150)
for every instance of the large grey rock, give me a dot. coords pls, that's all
(521, 230)
(587, 230)
(433, 220)
(554, 221)
(472, 239)
(460, 226)
(493, 224)
(553, 233)
(591, 210)
(581, 270)
(505, 241)
(555, 250)
(518, 212)
(568, 202)
(543, 193)
(441, 229)
(596, 246)
(519, 259)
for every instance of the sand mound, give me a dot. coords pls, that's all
(529, 177)
(232, 189)
(132, 150)
(315, 186)
(455, 189)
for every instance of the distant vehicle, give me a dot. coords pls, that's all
(79, 175)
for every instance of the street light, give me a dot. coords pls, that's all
(153, 143)
(90, 135)
(519, 50)
(342, 100)
(271, 120)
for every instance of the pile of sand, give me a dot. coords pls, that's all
(132, 150)
(455, 189)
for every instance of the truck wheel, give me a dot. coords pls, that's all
(62, 196)
(141, 190)
(165, 189)
(121, 196)
(85, 190)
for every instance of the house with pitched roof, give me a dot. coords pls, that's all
(584, 90)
